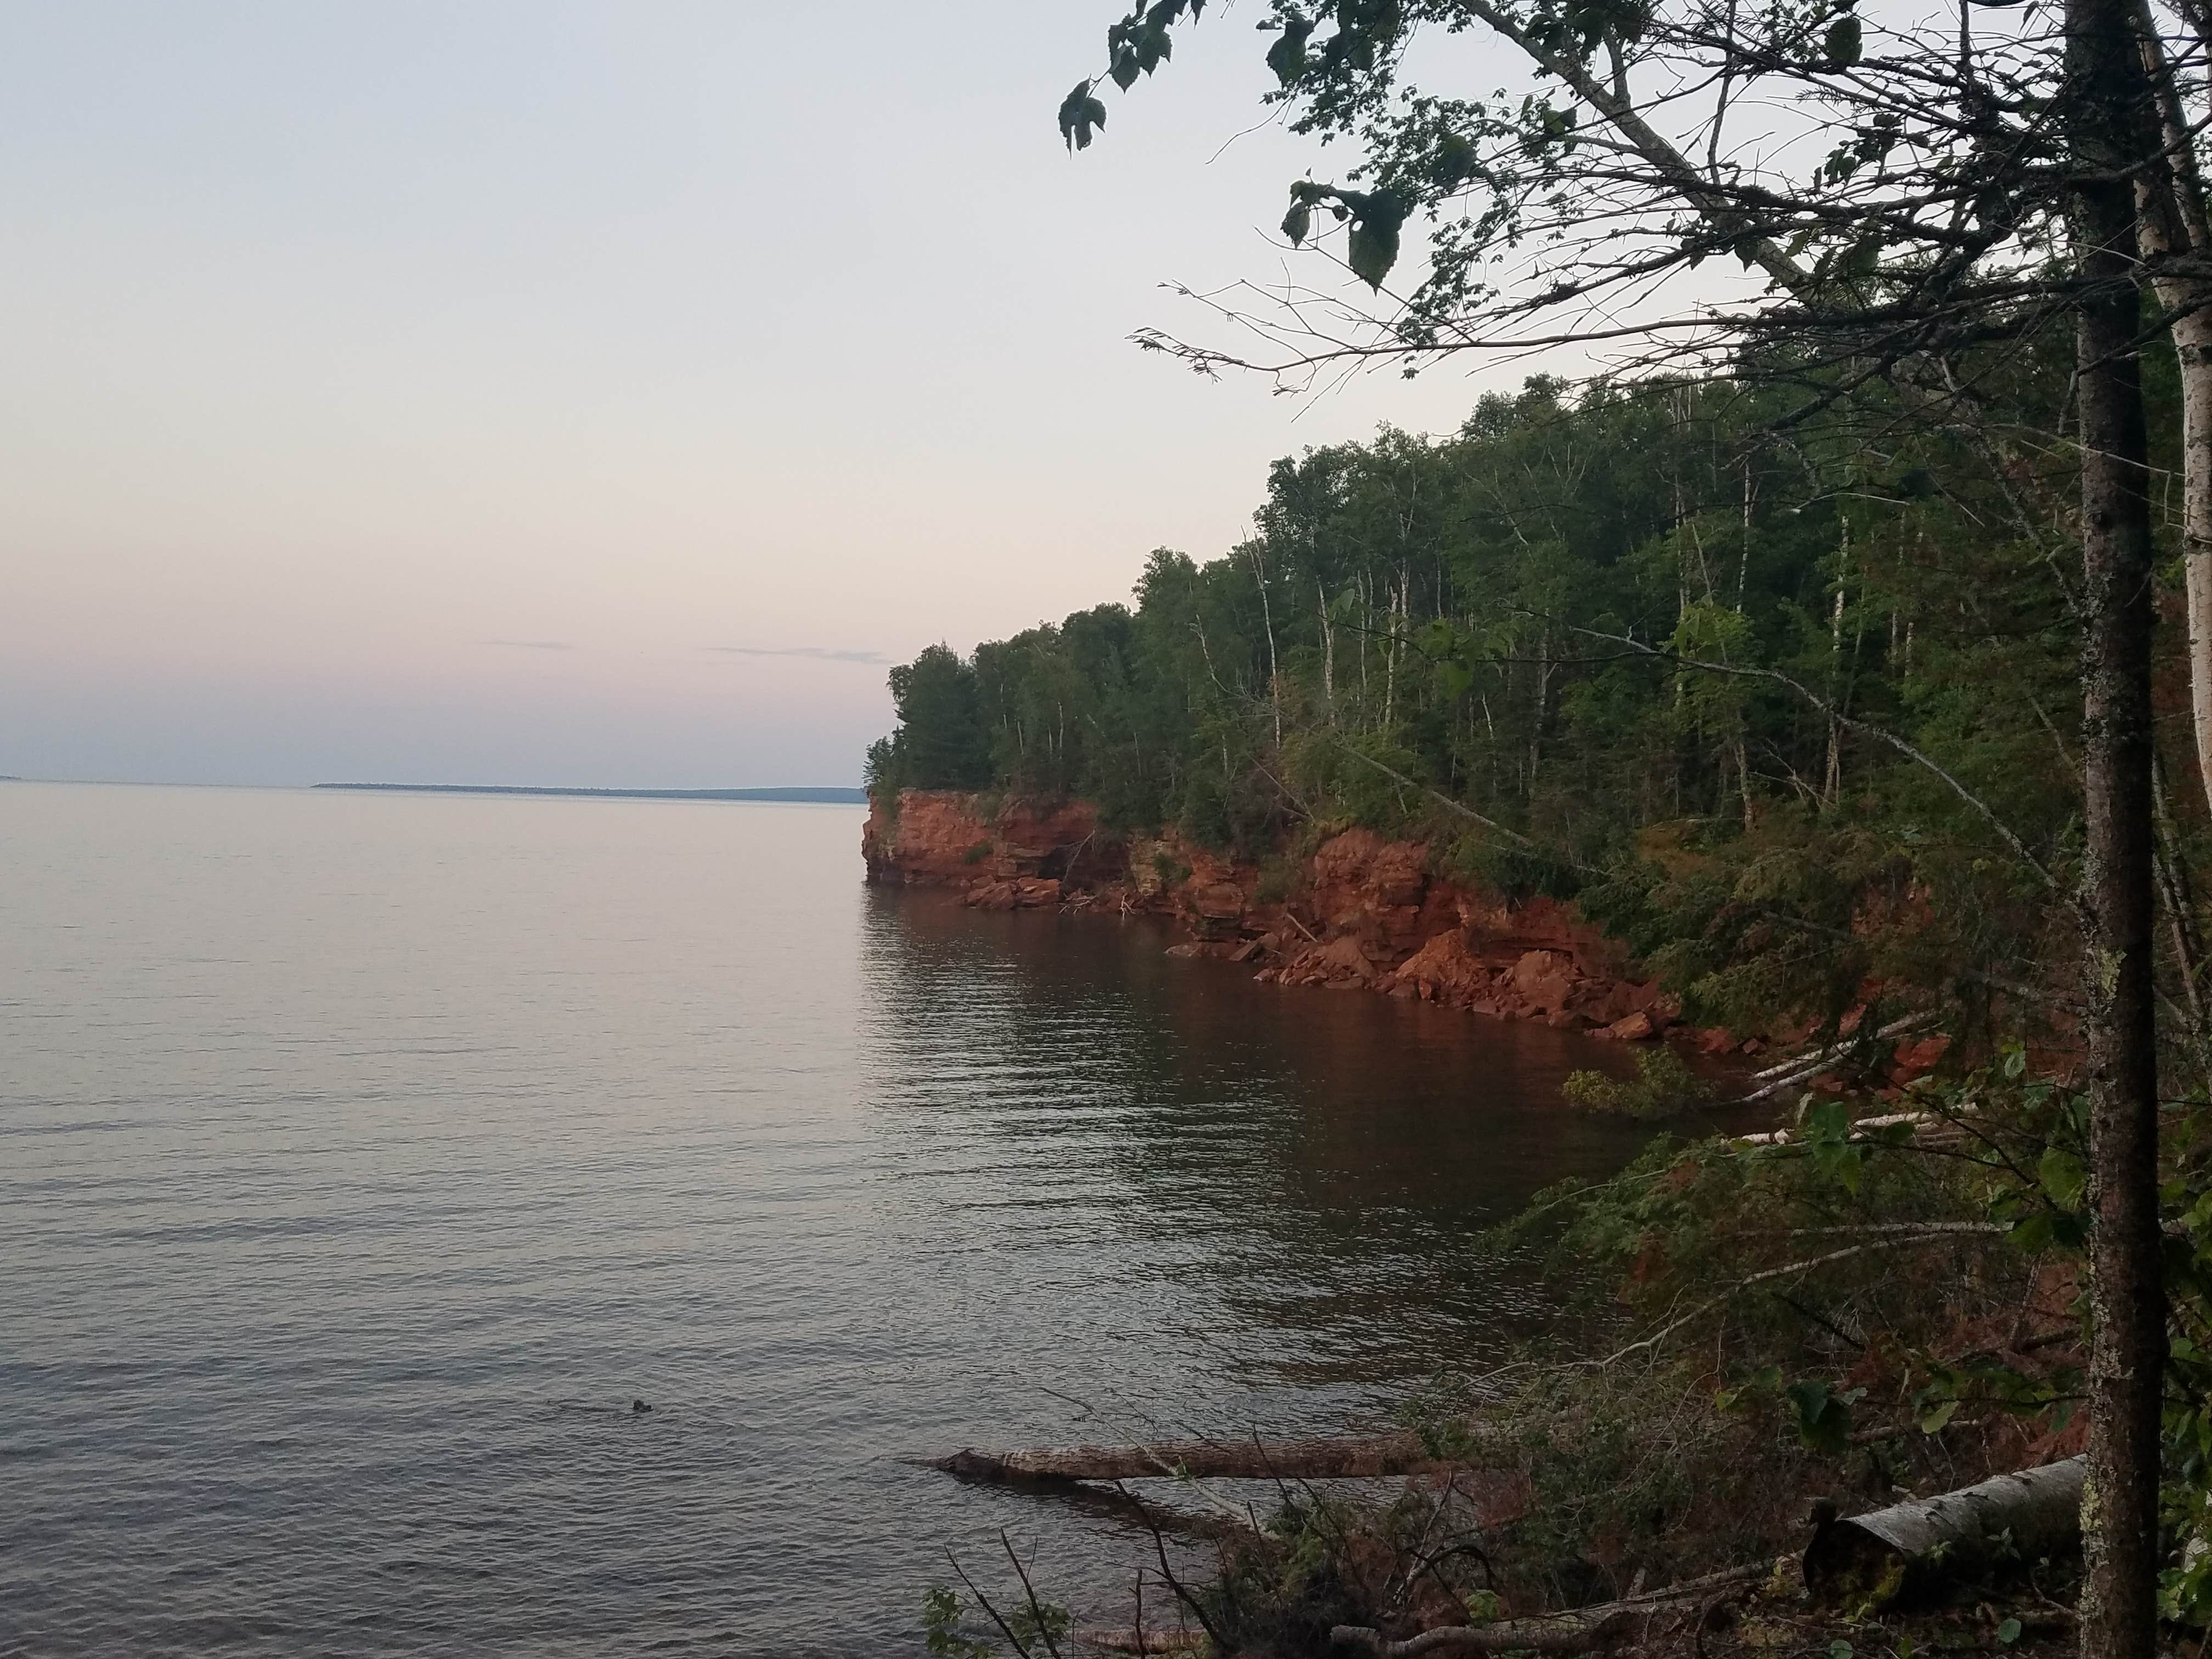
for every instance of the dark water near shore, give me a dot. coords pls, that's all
(351, 1145)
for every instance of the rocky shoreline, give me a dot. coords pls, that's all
(1359, 912)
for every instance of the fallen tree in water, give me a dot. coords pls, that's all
(1351, 1457)
(1130, 1639)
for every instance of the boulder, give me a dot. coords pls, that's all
(1544, 980)
(1445, 970)
(1024, 893)
(1635, 1028)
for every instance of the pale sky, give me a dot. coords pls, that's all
(515, 391)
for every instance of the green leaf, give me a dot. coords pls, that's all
(2034, 1233)
(1287, 57)
(2062, 1176)
(1079, 112)
(1126, 67)
(1823, 1417)
(1932, 1422)
(2009, 1631)
(1297, 223)
(1454, 163)
(1372, 248)
(1844, 41)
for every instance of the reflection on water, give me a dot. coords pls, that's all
(1289, 1180)
(357, 1152)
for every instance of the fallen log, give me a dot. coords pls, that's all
(1584, 1630)
(1138, 1641)
(1125, 1508)
(1803, 1068)
(1910, 1550)
(1347, 1458)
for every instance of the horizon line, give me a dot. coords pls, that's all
(798, 794)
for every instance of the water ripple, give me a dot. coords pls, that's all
(365, 1157)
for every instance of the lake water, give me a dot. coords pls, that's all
(361, 1158)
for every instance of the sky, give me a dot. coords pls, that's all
(527, 392)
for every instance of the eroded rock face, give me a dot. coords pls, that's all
(1023, 893)
(1361, 912)
(943, 838)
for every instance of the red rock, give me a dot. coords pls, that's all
(1443, 967)
(1342, 956)
(1714, 1040)
(1544, 979)
(937, 837)
(1919, 1059)
(1219, 900)
(991, 896)
(1636, 1028)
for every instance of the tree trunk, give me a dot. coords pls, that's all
(2173, 221)
(1327, 654)
(2111, 133)
(2192, 345)
(1267, 620)
(1916, 1546)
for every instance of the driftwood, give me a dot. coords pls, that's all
(1909, 1549)
(1348, 1458)
(1584, 1630)
(1131, 1640)
(1119, 1504)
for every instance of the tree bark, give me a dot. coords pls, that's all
(2111, 129)
(2174, 220)
(1916, 1546)
(2192, 345)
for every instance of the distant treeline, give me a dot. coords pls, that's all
(1742, 678)
(824, 795)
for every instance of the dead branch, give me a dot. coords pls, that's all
(1581, 1631)
(1893, 1241)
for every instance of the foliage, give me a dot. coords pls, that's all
(1786, 710)
(1664, 1086)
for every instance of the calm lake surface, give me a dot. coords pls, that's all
(362, 1156)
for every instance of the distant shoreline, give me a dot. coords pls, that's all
(805, 794)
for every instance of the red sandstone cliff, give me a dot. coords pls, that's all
(1361, 912)
(1016, 855)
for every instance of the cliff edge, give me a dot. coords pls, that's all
(1358, 913)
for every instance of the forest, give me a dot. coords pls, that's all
(1741, 691)
(1843, 646)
